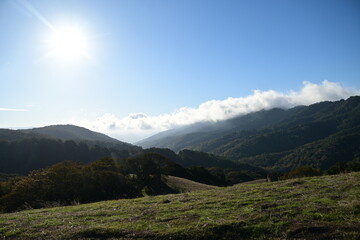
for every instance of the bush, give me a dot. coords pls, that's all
(344, 167)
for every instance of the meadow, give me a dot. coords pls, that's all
(326, 207)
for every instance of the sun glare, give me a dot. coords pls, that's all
(68, 44)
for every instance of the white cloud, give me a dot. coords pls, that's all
(139, 125)
(13, 110)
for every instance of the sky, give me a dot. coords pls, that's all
(132, 68)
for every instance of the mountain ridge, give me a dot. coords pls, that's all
(65, 132)
(275, 134)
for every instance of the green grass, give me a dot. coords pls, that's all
(183, 185)
(309, 208)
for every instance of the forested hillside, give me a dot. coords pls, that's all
(34, 153)
(65, 133)
(80, 134)
(184, 137)
(22, 151)
(318, 135)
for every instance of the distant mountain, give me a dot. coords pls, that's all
(318, 135)
(65, 133)
(70, 132)
(22, 151)
(188, 136)
(77, 134)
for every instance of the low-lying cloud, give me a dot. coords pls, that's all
(139, 125)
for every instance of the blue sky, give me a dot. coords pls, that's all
(161, 57)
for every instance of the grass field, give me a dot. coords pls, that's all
(184, 185)
(325, 207)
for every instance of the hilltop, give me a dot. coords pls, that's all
(326, 207)
(72, 132)
(65, 133)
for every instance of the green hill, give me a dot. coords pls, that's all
(183, 185)
(221, 168)
(189, 158)
(66, 133)
(325, 207)
(318, 135)
(79, 134)
(22, 151)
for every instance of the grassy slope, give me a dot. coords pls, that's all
(185, 185)
(310, 208)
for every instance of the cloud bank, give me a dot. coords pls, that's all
(137, 126)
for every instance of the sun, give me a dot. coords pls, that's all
(68, 43)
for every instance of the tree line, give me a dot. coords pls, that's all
(108, 178)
